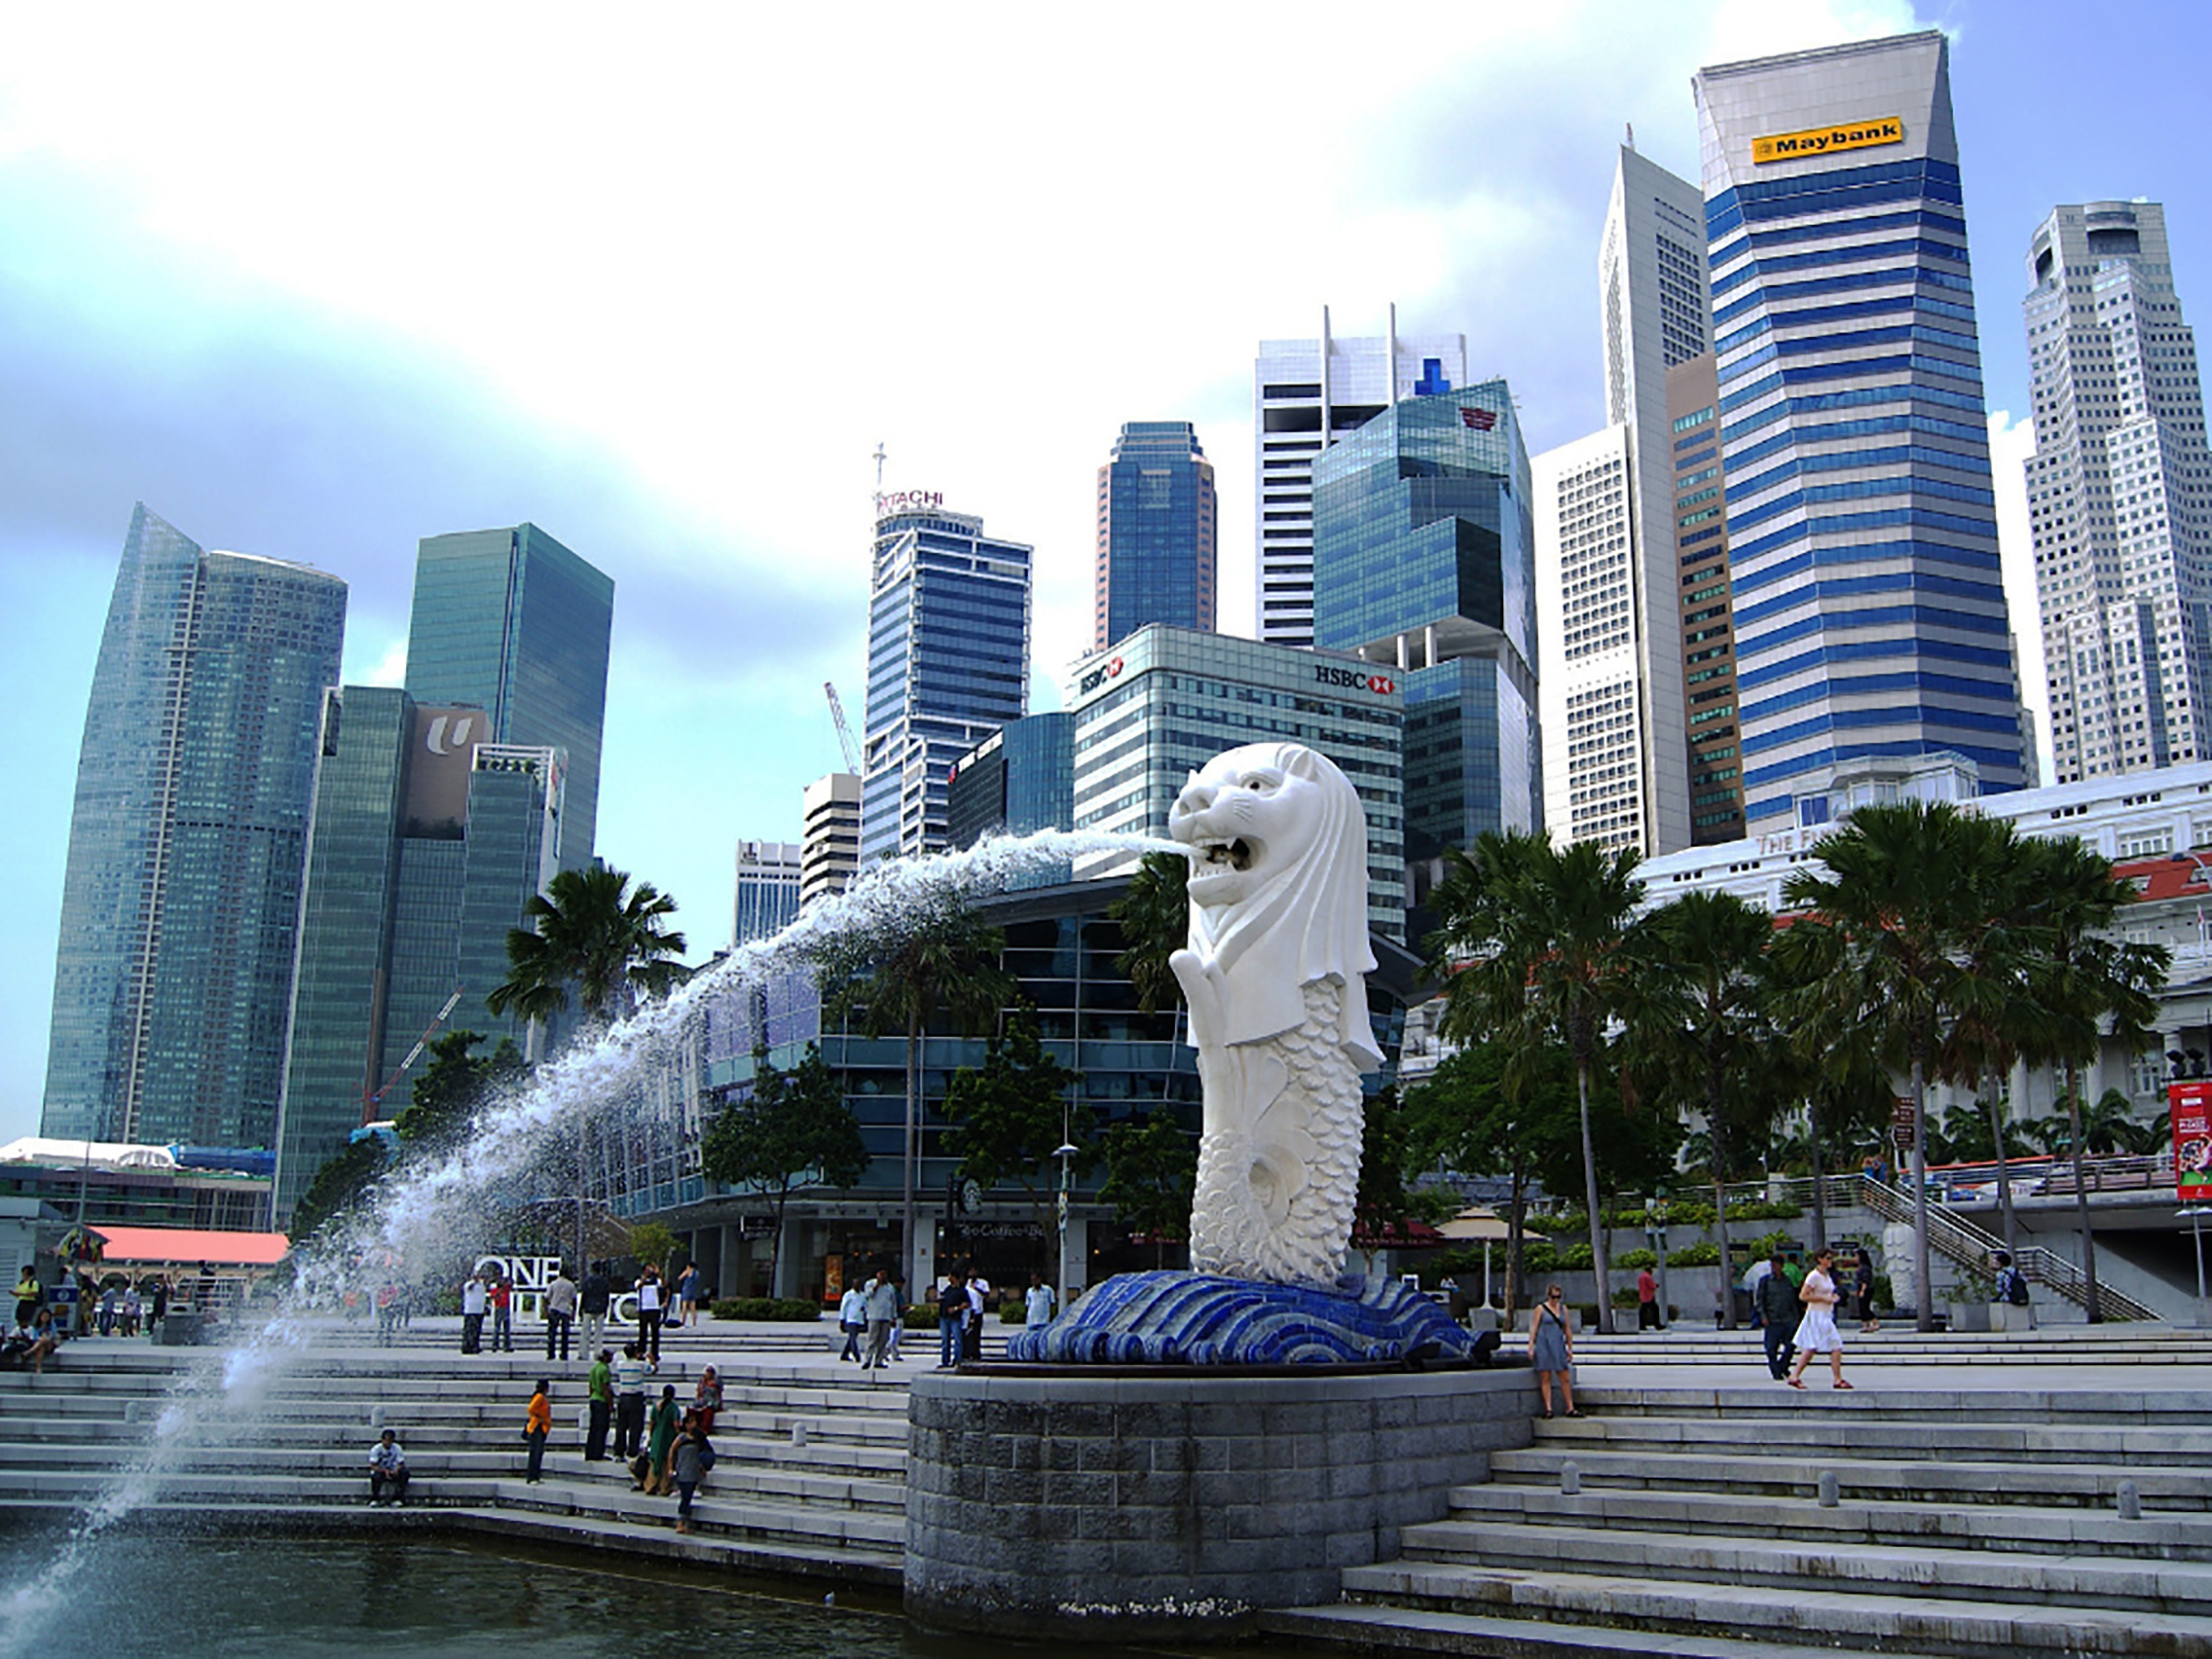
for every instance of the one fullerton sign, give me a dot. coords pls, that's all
(1822, 141)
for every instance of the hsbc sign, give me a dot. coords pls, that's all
(1382, 685)
(1110, 670)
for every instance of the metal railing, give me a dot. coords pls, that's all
(1968, 1246)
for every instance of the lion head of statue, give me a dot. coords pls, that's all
(1277, 885)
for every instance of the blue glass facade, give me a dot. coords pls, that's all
(948, 665)
(1155, 533)
(1019, 780)
(1425, 559)
(1860, 518)
(514, 623)
(181, 902)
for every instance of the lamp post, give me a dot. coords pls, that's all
(1066, 1154)
(1655, 1229)
(2195, 1215)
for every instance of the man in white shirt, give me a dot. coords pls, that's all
(851, 1318)
(387, 1468)
(560, 1313)
(474, 1299)
(882, 1314)
(979, 1290)
(1037, 1302)
(628, 1402)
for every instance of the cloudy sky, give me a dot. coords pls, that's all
(316, 284)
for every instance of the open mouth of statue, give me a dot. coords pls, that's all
(1225, 855)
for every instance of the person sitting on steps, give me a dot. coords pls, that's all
(387, 1468)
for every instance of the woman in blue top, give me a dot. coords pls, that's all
(1552, 1349)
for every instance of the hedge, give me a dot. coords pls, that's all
(922, 1316)
(781, 1309)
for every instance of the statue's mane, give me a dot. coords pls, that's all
(1306, 922)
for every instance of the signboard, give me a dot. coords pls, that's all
(2193, 1140)
(1821, 141)
(1901, 1121)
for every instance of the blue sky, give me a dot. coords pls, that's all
(315, 287)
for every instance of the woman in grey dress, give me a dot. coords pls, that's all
(1552, 1349)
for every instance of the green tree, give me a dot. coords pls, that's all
(1010, 1116)
(337, 1187)
(1538, 945)
(941, 962)
(794, 1130)
(1151, 1177)
(652, 1245)
(451, 1087)
(1393, 1158)
(1700, 1038)
(1155, 922)
(596, 934)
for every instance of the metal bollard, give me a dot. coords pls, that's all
(799, 1434)
(376, 1416)
(134, 1411)
(1570, 1478)
(1831, 1489)
(2130, 1502)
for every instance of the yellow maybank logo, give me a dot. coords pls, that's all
(1819, 141)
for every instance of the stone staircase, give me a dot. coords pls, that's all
(1898, 1344)
(1686, 1521)
(809, 1476)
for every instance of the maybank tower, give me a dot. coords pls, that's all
(1862, 534)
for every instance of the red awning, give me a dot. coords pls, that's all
(181, 1247)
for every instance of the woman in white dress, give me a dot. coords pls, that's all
(1816, 1331)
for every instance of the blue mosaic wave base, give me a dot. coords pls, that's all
(1202, 1319)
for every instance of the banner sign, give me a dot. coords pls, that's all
(1821, 141)
(2193, 1140)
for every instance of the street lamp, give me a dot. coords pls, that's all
(1065, 1154)
(1655, 1229)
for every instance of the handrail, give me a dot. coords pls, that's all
(1968, 1246)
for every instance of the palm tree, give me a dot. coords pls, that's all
(1699, 1033)
(1536, 943)
(1881, 950)
(2088, 981)
(944, 960)
(1154, 915)
(594, 932)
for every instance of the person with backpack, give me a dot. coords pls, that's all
(690, 1456)
(2012, 1283)
(599, 1292)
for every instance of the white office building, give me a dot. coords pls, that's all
(830, 855)
(1305, 396)
(768, 889)
(2119, 493)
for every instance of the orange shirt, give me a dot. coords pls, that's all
(542, 1414)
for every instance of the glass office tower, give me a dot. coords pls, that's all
(1155, 533)
(512, 622)
(1862, 536)
(947, 665)
(181, 902)
(1424, 560)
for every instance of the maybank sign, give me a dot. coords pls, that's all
(1822, 141)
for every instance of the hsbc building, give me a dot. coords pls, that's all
(1157, 705)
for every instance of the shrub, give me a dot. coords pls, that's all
(1624, 1298)
(781, 1309)
(922, 1316)
(1013, 1313)
(1634, 1259)
(1540, 1258)
(1704, 1255)
(1763, 1209)
(1564, 1221)
(1766, 1244)
(1689, 1213)
(1575, 1258)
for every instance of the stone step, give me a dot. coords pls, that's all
(1861, 1619)
(1764, 1400)
(848, 1564)
(1911, 1480)
(2166, 1535)
(250, 1490)
(1976, 1575)
(1373, 1628)
(737, 1516)
(1817, 1437)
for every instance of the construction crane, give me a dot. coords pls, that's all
(844, 732)
(371, 1102)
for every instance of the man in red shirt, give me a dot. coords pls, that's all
(503, 1314)
(1647, 1300)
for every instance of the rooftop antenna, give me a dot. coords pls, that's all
(879, 467)
(1631, 126)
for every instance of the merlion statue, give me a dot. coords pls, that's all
(1275, 978)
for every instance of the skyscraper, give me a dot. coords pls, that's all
(1869, 608)
(947, 663)
(428, 841)
(512, 622)
(181, 903)
(1424, 558)
(1708, 623)
(768, 885)
(1306, 395)
(830, 853)
(2119, 494)
(1155, 533)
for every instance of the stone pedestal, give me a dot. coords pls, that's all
(1134, 1506)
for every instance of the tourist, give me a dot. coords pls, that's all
(599, 1292)
(388, 1314)
(1816, 1331)
(1552, 1349)
(474, 1300)
(31, 1345)
(852, 1319)
(882, 1317)
(536, 1426)
(29, 1294)
(687, 1294)
(661, 1436)
(161, 1303)
(387, 1468)
(649, 1315)
(953, 1318)
(109, 1298)
(1647, 1301)
(628, 1402)
(560, 1314)
(502, 1298)
(133, 1307)
(706, 1401)
(598, 1392)
(971, 1333)
(1774, 1299)
(898, 1313)
(1862, 1290)
(1037, 1302)
(687, 1460)
(2012, 1283)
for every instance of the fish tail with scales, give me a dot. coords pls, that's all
(1278, 1172)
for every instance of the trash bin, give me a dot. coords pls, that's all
(179, 1328)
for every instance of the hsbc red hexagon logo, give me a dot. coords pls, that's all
(1382, 685)
(1098, 676)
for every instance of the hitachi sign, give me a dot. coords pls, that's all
(908, 500)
